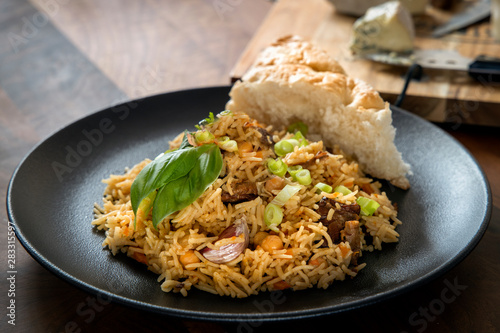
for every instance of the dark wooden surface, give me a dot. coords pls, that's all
(63, 59)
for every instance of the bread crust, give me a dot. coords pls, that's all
(293, 50)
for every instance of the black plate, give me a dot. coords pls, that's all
(52, 192)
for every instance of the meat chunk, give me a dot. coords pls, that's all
(352, 234)
(266, 138)
(334, 225)
(340, 216)
(243, 191)
(343, 225)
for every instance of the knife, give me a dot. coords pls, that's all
(485, 69)
(472, 14)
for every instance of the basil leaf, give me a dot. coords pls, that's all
(170, 166)
(183, 191)
(185, 142)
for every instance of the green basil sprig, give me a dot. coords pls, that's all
(176, 179)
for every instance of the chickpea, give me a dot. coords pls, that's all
(245, 147)
(272, 243)
(259, 237)
(189, 258)
(275, 183)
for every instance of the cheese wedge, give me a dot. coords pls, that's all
(385, 28)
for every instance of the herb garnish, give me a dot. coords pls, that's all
(207, 121)
(175, 179)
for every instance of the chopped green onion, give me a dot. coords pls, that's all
(204, 137)
(322, 187)
(368, 206)
(303, 177)
(211, 119)
(301, 139)
(223, 139)
(292, 170)
(299, 136)
(342, 189)
(285, 194)
(230, 146)
(283, 147)
(298, 126)
(226, 113)
(273, 215)
(277, 167)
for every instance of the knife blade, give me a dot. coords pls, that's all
(483, 68)
(472, 14)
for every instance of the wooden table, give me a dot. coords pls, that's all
(61, 60)
(440, 95)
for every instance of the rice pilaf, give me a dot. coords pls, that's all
(305, 250)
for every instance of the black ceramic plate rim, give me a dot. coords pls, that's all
(287, 315)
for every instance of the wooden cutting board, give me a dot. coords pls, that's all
(441, 96)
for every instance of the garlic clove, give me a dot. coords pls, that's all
(230, 251)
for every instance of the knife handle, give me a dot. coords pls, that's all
(485, 69)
